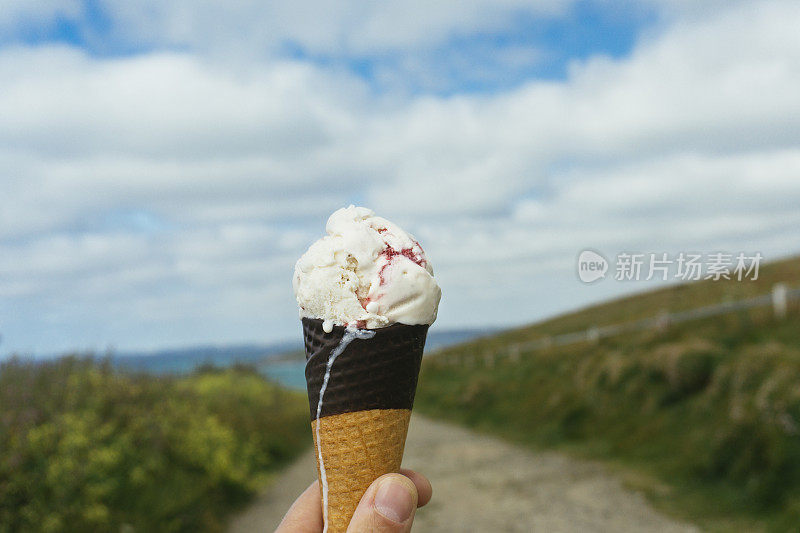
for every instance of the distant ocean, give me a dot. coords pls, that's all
(270, 360)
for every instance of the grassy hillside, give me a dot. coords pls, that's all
(85, 448)
(703, 416)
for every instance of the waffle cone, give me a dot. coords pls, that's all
(358, 448)
(361, 403)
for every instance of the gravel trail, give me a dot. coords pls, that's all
(483, 484)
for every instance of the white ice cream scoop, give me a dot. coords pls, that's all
(366, 273)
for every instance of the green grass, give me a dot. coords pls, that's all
(703, 417)
(86, 448)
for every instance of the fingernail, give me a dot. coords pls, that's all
(394, 500)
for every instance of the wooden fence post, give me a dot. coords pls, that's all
(593, 335)
(662, 320)
(779, 300)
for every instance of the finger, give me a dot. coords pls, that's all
(388, 506)
(305, 514)
(424, 489)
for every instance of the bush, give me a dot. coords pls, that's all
(719, 425)
(84, 448)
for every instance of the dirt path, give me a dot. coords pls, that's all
(483, 484)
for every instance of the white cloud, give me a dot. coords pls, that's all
(678, 95)
(164, 197)
(167, 105)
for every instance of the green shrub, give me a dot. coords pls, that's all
(84, 448)
(711, 407)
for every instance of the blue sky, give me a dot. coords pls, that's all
(164, 164)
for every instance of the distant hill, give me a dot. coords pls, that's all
(703, 416)
(442, 339)
(184, 360)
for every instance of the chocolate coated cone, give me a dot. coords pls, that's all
(365, 410)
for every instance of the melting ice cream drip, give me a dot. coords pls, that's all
(350, 334)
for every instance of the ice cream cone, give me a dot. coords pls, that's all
(360, 425)
(357, 448)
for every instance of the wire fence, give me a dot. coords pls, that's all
(779, 299)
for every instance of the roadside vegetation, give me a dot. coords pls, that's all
(84, 447)
(704, 416)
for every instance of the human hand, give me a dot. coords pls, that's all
(388, 506)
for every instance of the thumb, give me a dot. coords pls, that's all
(388, 506)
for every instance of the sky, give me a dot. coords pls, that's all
(164, 164)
